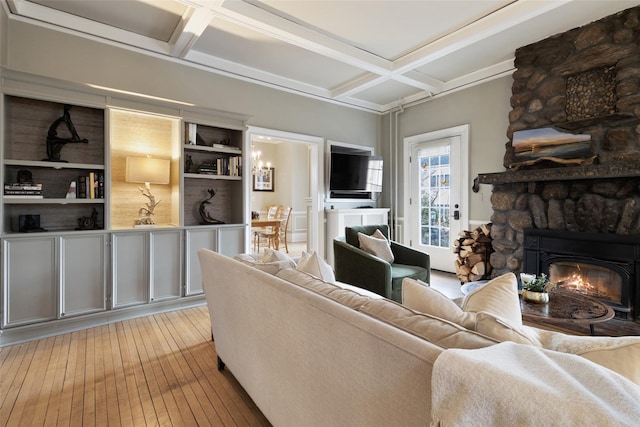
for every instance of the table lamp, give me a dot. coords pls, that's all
(150, 171)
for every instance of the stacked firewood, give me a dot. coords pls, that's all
(473, 249)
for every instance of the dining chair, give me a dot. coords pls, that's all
(277, 235)
(272, 211)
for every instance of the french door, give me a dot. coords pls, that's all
(436, 208)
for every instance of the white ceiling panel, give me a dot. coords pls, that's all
(388, 29)
(369, 54)
(261, 52)
(156, 19)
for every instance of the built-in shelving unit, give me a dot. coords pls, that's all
(86, 256)
(212, 161)
(27, 123)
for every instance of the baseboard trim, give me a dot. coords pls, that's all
(20, 334)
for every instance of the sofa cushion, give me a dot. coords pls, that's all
(376, 246)
(498, 297)
(418, 297)
(313, 264)
(271, 267)
(620, 354)
(348, 297)
(433, 329)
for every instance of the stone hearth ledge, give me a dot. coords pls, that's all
(559, 174)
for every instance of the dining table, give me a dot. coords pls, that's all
(257, 223)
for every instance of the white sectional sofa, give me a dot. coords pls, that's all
(314, 353)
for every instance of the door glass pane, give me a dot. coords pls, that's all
(435, 195)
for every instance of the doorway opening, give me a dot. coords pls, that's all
(294, 168)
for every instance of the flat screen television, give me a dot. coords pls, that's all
(355, 173)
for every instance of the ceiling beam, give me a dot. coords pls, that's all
(192, 24)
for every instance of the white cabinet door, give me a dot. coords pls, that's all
(83, 260)
(30, 280)
(196, 239)
(166, 266)
(231, 241)
(129, 269)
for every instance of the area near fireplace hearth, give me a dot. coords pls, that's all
(583, 82)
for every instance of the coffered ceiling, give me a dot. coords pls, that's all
(368, 54)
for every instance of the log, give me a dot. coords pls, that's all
(473, 249)
(479, 269)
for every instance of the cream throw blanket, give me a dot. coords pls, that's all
(511, 384)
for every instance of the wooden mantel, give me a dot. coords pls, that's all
(625, 170)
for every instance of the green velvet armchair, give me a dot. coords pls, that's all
(357, 267)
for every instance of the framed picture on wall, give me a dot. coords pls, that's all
(263, 180)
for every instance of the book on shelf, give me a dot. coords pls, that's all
(91, 183)
(100, 185)
(30, 186)
(90, 186)
(23, 192)
(230, 147)
(81, 188)
(23, 196)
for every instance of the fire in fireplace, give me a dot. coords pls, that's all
(604, 266)
(588, 279)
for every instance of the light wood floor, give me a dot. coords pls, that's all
(155, 370)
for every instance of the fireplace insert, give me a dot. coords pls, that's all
(603, 266)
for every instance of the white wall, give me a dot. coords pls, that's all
(42, 51)
(486, 109)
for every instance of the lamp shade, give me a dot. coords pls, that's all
(147, 169)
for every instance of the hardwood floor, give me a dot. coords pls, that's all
(154, 370)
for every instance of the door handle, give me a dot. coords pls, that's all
(456, 213)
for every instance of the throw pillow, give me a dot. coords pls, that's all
(378, 235)
(498, 297)
(500, 330)
(316, 266)
(429, 301)
(271, 267)
(271, 255)
(376, 246)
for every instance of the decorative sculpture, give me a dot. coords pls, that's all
(144, 214)
(89, 222)
(54, 142)
(206, 217)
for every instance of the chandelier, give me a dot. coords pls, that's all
(256, 162)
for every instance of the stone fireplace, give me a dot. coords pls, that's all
(585, 81)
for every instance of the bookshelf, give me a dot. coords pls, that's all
(84, 255)
(27, 123)
(212, 159)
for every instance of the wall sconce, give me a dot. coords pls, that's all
(150, 171)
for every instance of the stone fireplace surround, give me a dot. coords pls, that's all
(603, 197)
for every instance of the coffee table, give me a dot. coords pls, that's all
(567, 307)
